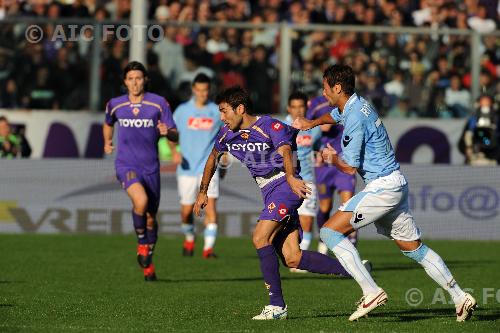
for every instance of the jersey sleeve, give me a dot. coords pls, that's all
(110, 119)
(166, 114)
(282, 134)
(352, 141)
(220, 144)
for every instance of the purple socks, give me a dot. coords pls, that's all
(270, 270)
(315, 262)
(140, 227)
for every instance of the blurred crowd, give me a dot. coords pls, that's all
(403, 75)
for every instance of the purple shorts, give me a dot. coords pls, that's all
(280, 202)
(150, 181)
(329, 178)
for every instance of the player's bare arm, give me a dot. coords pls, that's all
(330, 156)
(208, 172)
(170, 133)
(298, 186)
(304, 124)
(107, 132)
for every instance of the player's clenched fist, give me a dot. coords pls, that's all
(329, 154)
(162, 128)
(201, 202)
(108, 147)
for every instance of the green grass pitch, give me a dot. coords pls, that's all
(67, 283)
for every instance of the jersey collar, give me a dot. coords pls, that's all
(349, 104)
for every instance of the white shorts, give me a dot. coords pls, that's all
(189, 186)
(384, 202)
(310, 205)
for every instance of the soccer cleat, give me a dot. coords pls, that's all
(144, 255)
(297, 270)
(368, 265)
(271, 312)
(149, 273)
(209, 254)
(188, 249)
(466, 307)
(368, 303)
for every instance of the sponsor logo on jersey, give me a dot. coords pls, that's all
(200, 123)
(271, 207)
(304, 140)
(137, 123)
(345, 140)
(277, 126)
(251, 146)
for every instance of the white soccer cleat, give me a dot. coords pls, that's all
(271, 312)
(368, 265)
(466, 307)
(297, 270)
(368, 303)
(322, 248)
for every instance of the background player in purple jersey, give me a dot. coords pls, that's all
(328, 177)
(266, 145)
(142, 118)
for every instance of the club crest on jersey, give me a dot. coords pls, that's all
(277, 126)
(245, 136)
(135, 111)
(271, 207)
(282, 210)
(346, 140)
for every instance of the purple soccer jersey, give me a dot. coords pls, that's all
(138, 134)
(257, 148)
(329, 178)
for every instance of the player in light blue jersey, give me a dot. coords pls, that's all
(306, 140)
(384, 200)
(198, 123)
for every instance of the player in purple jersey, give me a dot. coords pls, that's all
(142, 118)
(266, 145)
(328, 177)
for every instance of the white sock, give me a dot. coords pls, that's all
(306, 240)
(188, 230)
(348, 256)
(322, 248)
(436, 268)
(210, 236)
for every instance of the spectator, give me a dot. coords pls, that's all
(171, 56)
(12, 145)
(457, 99)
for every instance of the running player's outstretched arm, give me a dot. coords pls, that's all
(208, 172)
(304, 124)
(107, 133)
(298, 186)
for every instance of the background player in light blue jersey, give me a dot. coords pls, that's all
(198, 123)
(384, 201)
(306, 140)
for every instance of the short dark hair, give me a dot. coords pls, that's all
(201, 78)
(343, 75)
(3, 118)
(135, 66)
(235, 96)
(298, 95)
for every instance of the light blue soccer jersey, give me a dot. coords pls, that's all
(365, 143)
(305, 145)
(197, 131)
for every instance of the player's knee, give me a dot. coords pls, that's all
(260, 240)
(141, 205)
(292, 260)
(418, 254)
